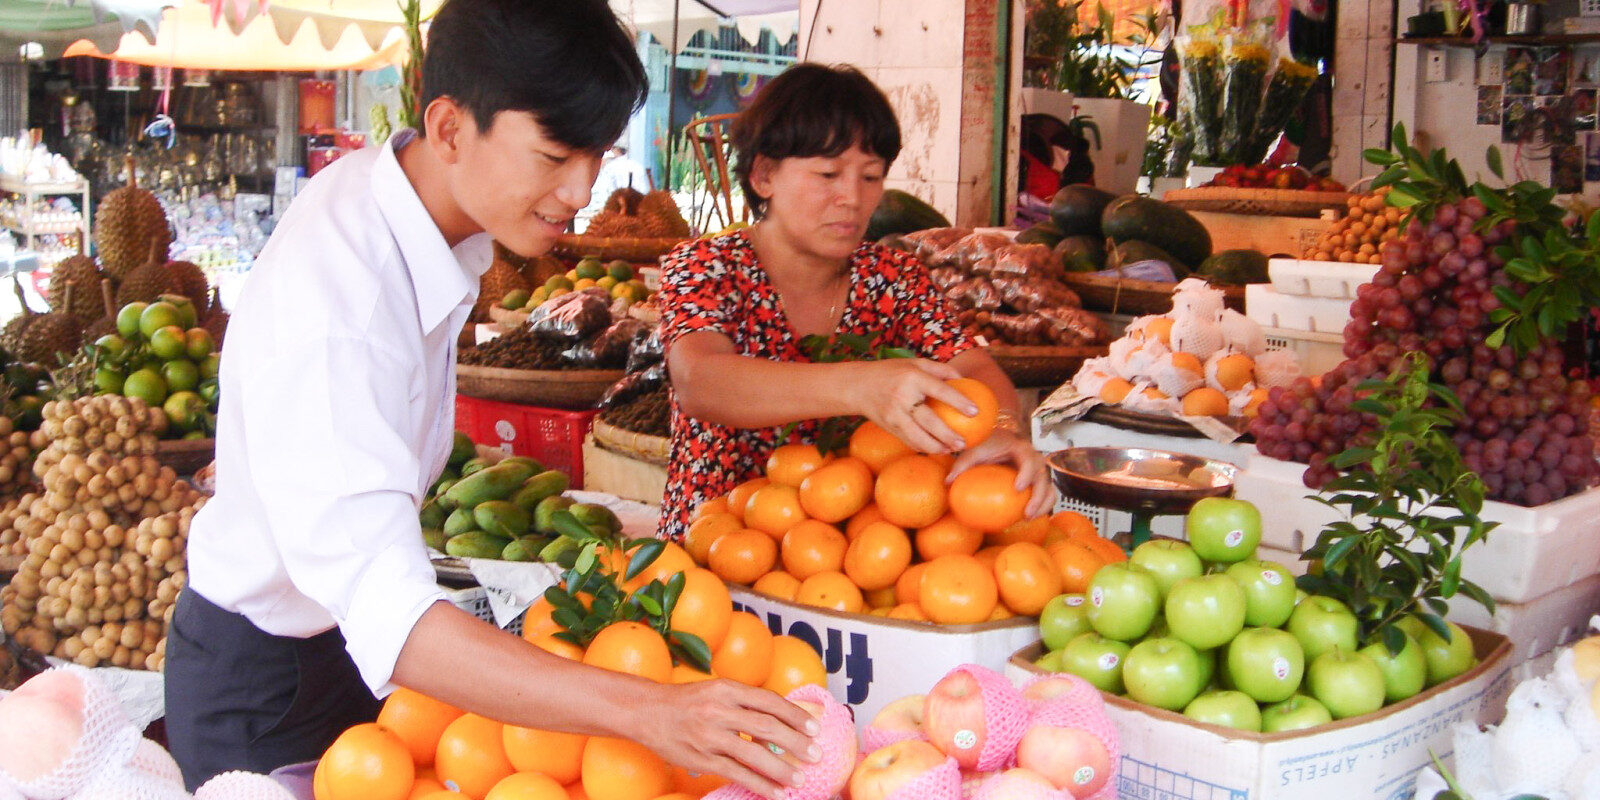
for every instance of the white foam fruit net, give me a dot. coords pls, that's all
(106, 744)
(1196, 334)
(242, 786)
(1241, 334)
(1277, 368)
(1195, 297)
(1173, 380)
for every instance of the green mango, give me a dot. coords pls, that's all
(460, 521)
(462, 450)
(530, 463)
(434, 538)
(546, 484)
(561, 551)
(501, 518)
(440, 490)
(597, 518)
(432, 514)
(476, 544)
(492, 483)
(476, 464)
(546, 509)
(526, 548)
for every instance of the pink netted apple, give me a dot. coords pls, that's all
(153, 760)
(1064, 688)
(1072, 759)
(975, 716)
(896, 722)
(909, 770)
(837, 741)
(41, 724)
(1018, 784)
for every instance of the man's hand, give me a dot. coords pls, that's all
(1005, 447)
(696, 726)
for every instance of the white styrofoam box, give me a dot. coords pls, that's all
(1375, 757)
(1318, 278)
(1539, 625)
(1082, 433)
(1273, 309)
(1533, 552)
(626, 477)
(873, 661)
(1318, 352)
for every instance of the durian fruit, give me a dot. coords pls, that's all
(81, 271)
(624, 201)
(661, 214)
(107, 322)
(501, 279)
(42, 337)
(192, 283)
(216, 319)
(148, 282)
(128, 225)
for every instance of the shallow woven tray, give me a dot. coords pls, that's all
(640, 446)
(1040, 365)
(1138, 421)
(186, 456)
(1260, 202)
(551, 388)
(574, 245)
(1112, 295)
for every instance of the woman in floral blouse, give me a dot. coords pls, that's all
(812, 150)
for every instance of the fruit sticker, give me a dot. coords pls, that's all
(1097, 596)
(1083, 776)
(1108, 661)
(1234, 538)
(1280, 668)
(1074, 601)
(965, 739)
(505, 430)
(1271, 577)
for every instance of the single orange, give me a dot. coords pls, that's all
(1027, 577)
(685, 673)
(527, 786)
(876, 446)
(424, 786)
(418, 720)
(536, 621)
(880, 612)
(1000, 613)
(716, 505)
(911, 493)
(836, 491)
(558, 755)
(908, 588)
(705, 531)
(678, 796)
(947, 536)
(555, 645)
(1033, 531)
(794, 664)
(1110, 552)
(746, 652)
(878, 556)
(774, 509)
(739, 497)
(958, 590)
(985, 497)
(790, 464)
(367, 761)
(831, 590)
(989, 555)
(704, 607)
(973, 430)
(575, 791)
(672, 560)
(743, 555)
(1205, 402)
(472, 755)
(908, 611)
(633, 648)
(617, 769)
(812, 547)
(696, 785)
(443, 794)
(777, 584)
(881, 598)
(861, 519)
(1076, 564)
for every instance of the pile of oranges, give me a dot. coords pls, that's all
(878, 531)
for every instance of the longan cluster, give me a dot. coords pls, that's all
(17, 449)
(105, 540)
(1357, 238)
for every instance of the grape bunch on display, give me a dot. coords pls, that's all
(1478, 283)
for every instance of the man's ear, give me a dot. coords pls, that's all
(442, 121)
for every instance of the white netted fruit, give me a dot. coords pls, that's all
(242, 786)
(1173, 379)
(1277, 368)
(1196, 334)
(152, 760)
(1241, 334)
(1133, 358)
(126, 784)
(1195, 297)
(1532, 751)
(1092, 376)
(59, 730)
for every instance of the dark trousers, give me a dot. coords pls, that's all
(239, 698)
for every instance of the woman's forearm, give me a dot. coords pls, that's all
(747, 392)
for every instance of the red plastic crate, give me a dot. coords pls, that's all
(551, 436)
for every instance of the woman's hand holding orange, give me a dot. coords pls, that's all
(1006, 447)
(893, 393)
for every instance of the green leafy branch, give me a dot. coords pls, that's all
(1410, 511)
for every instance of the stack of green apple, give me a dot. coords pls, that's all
(162, 357)
(1205, 628)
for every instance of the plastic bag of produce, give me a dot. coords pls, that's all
(610, 348)
(1033, 294)
(573, 316)
(1147, 270)
(633, 385)
(1021, 328)
(968, 250)
(975, 292)
(1200, 101)
(646, 351)
(929, 242)
(1030, 260)
(1074, 326)
(945, 277)
(1246, 60)
(1288, 86)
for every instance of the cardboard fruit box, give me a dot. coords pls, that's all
(1373, 757)
(873, 661)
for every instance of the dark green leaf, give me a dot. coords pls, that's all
(643, 556)
(1495, 164)
(650, 605)
(586, 558)
(695, 648)
(1382, 158)
(566, 618)
(1394, 639)
(1337, 552)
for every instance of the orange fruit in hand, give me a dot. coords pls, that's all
(908, 588)
(946, 536)
(472, 754)
(418, 720)
(790, 464)
(703, 608)
(812, 547)
(958, 590)
(973, 430)
(527, 786)
(558, 755)
(1033, 531)
(705, 531)
(739, 497)
(986, 498)
(876, 447)
(778, 584)
(742, 556)
(794, 664)
(878, 556)
(837, 490)
(830, 590)
(1027, 577)
(746, 652)
(1076, 564)
(617, 769)
(633, 648)
(367, 761)
(774, 509)
(910, 491)
(716, 505)
(866, 516)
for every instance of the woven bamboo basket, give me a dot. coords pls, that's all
(1037, 365)
(641, 446)
(1262, 202)
(609, 247)
(186, 456)
(1112, 295)
(550, 388)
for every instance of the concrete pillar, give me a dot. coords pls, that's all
(1365, 50)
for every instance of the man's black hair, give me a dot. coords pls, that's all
(570, 63)
(813, 110)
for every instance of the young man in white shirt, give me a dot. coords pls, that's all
(310, 590)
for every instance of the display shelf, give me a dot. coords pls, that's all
(11, 183)
(1466, 41)
(22, 222)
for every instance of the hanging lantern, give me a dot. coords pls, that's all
(122, 76)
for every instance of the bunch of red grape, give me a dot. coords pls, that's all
(1526, 425)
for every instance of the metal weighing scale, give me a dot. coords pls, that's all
(1144, 483)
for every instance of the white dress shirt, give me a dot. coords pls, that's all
(337, 414)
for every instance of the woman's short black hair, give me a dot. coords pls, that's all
(570, 63)
(813, 110)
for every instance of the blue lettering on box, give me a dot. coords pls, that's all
(855, 660)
